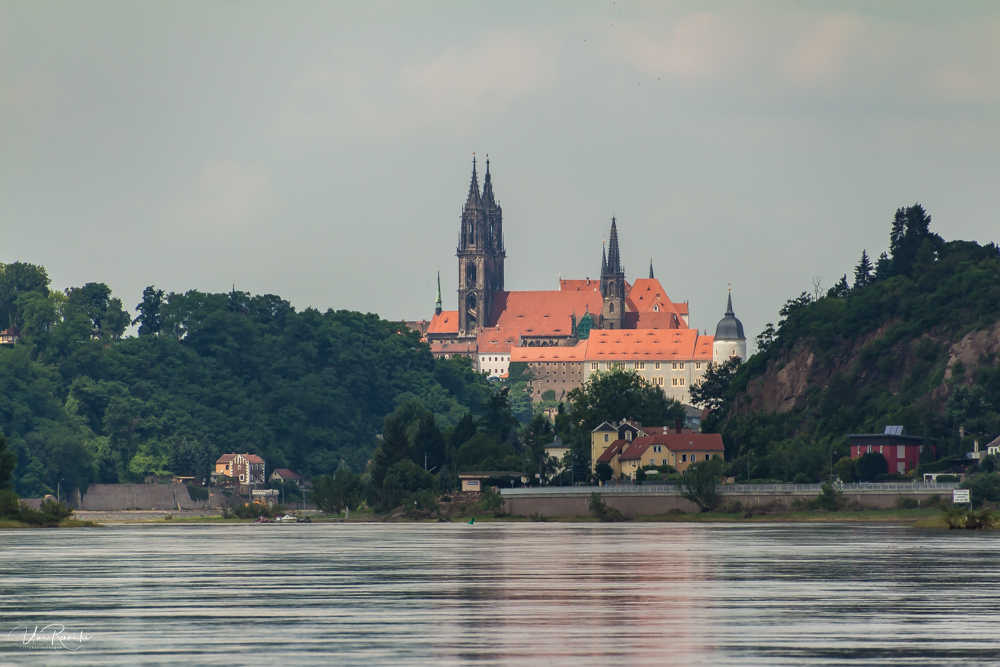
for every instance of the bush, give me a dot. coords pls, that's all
(967, 519)
(904, 503)
(983, 487)
(9, 504)
(947, 478)
(490, 501)
(829, 498)
(871, 465)
(254, 510)
(50, 513)
(600, 510)
(845, 470)
(698, 483)
(197, 492)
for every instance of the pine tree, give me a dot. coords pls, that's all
(840, 289)
(883, 268)
(863, 271)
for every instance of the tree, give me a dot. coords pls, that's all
(429, 442)
(105, 312)
(765, 339)
(697, 484)
(403, 479)
(495, 416)
(15, 280)
(480, 452)
(603, 471)
(845, 470)
(871, 465)
(394, 448)
(150, 320)
(910, 226)
(616, 394)
(334, 493)
(883, 267)
(863, 272)
(8, 463)
(601, 511)
(711, 393)
(840, 289)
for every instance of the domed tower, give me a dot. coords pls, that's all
(729, 338)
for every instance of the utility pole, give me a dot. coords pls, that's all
(749, 454)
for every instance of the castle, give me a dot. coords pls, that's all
(566, 335)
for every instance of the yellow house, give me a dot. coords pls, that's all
(678, 450)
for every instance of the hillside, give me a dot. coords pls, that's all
(207, 374)
(913, 341)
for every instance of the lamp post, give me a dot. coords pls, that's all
(749, 454)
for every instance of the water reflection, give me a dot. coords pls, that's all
(530, 594)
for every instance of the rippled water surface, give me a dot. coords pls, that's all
(523, 594)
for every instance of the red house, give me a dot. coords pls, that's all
(901, 451)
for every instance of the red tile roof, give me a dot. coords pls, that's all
(648, 344)
(252, 458)
(611, 451)
(446, 322)
(665, 319)
(587, 285)
(686, 442)
(285, 473)
(635, 450)
(226, 458)
(552, 354)
(542, 313)
(497, 340)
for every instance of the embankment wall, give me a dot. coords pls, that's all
(105, 497)
(634, 505)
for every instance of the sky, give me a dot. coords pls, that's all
(322, 151)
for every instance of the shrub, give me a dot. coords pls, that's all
(967, 519)
(698, 483)
(603, 471)
(829, 498)
(845, 470)
(491, 500)
(254, 510)
(983, 487)
(538, 516)
(904, 503)
(600, 510)
(871, 465)
(947, 478)
(197, 492)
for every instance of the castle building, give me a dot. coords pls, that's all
(566, 335)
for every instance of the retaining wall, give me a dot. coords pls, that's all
(635, 502)
(104, 497)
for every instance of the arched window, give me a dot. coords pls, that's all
(611, 307)
(470, 274)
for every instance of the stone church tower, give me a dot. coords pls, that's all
(612, 283)
(480, 255)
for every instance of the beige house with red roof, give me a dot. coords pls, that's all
(246, 471)
(641, 447)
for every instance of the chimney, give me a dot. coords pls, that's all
(664, 430)
(677, 425)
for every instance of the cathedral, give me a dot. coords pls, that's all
(566, 335)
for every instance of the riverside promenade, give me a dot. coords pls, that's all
(645, 500)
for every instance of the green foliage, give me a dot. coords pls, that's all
(829, 499)
(879, 353)
(334, 493)
(870, 465)
(984, 487)
(905, 503)
(617, 394)
(965, 518)
(711, 393)
(8, 462)
(481, 453)
(209, 374)
(403, 479)
(49, 514)
(603, 471)
(197, 493)
(697, 484)
(254, 510)
(846, 470)
(600, 510)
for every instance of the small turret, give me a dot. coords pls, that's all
(730, 340)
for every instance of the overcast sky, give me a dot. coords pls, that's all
(322, 151)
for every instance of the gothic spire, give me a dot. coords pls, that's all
(604, 260)
(488, 200)
(614, 259)
(474, 199)
(729, 306)
(650, 268)
(437, 304)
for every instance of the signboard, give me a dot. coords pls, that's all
(959, 496)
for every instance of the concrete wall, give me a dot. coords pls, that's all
(104, 497)
(634, 505)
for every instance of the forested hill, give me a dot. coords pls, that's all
(207, 374)
(912, 339)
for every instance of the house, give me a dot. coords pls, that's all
(224, 466)
(901, 451)
(475, 481)
(281, 475)
(602, 437)
(245, 470)
(9, 336)
(557, 449)
(678, 450)
(993, 448)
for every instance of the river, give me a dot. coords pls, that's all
(499, 593)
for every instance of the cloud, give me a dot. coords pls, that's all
(458, 87)
(228, 195)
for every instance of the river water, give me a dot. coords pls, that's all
(499, 593)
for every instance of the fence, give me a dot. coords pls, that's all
(734, 489)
